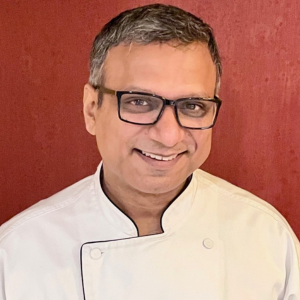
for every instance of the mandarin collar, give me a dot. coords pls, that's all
(176, 212)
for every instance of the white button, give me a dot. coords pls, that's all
(208, 243)
(95, 253)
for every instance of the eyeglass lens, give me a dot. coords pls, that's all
(145, 109)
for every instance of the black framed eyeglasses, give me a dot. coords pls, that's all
(146, 109)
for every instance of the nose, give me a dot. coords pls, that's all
(167, 131)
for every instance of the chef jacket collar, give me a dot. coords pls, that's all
(173, 215)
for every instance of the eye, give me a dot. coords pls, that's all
(193, 106)
(139, 102)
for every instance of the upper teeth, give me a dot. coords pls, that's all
(159, 157)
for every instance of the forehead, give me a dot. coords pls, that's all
(160, 68)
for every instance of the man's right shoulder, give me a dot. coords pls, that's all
(63, 199)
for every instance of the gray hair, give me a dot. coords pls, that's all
(151, 23)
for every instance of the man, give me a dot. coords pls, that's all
(148, 224)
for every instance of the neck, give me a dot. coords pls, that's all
(144, 209)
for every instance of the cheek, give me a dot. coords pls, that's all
(108, 141)
(106, 133)
(115, 139)
(202, 142)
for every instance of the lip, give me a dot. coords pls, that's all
(160, 164)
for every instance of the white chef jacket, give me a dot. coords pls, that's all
(219, 243)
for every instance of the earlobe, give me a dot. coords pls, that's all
(90, 104)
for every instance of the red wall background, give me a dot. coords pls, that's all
(44, 49)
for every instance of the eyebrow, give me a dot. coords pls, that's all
(134, 88)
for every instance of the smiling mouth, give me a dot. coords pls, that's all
(159, 157)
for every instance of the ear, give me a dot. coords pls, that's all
(90, 106)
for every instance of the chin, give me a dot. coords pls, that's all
(159, 186)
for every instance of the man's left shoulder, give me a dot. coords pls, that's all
(241, 214)
(236, 198)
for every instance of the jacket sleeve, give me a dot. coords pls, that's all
(292, 290)
(2, 279)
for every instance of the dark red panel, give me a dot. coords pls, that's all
(44, 49)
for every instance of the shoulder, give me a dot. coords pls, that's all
(58, 202)
(243, 214)
(237, 199)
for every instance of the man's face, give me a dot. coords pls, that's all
(171, 72)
